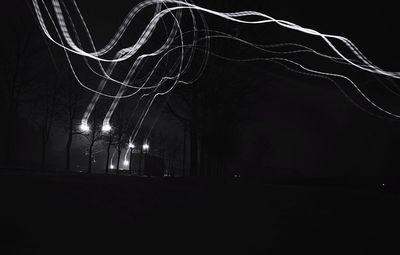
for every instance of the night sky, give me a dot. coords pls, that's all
(288, 124)
(256, 156)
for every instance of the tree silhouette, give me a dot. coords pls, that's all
(72, 102)
(24, 59)
(92, 137)
(109, 140)
(46, 115)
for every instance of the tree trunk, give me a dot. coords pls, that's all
(140, 170)
(184, 151)
(202, 154)
(194, 133)
(10, 137)
(68, 152)
(108, 158)
(172, 169)
(130, 161)
(12, 117)
(43, 158)
(193, 153)
(90, 158)
(118, 159)
(169, 167)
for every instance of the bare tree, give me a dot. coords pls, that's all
(185, 123)
(92, 137)
(109, 140)
(21, 69)
(120, 125)
(208, 108)
(45, 111)
(71, 103)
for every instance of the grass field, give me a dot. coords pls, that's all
(72, 213)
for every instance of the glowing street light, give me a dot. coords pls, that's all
(126, 163)
(111, 166)
(84, 127)
(131, 145)
(146, 147)
(106, 128)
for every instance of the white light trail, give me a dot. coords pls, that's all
(150, 85)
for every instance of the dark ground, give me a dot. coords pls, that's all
(75, 214)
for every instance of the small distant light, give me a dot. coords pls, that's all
(383, 184)
(106, 128)
(126, 162)
(146, 146)
(131, 145)
(112, 166)
(85, 127)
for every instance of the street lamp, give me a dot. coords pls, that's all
(131, 146)
(146, 147)
(111, 166)
(84, 127)
(106, 128)
(126, 162)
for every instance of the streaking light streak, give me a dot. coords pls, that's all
(180, 46)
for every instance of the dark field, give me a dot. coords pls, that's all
(71, 214)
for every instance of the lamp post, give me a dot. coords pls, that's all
(146, 147)
(106, 128)
(84, 127)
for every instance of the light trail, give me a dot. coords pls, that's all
(176, 44)
(112, 159)
(235, 17)
(137, 62)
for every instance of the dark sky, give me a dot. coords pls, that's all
(293, 121)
